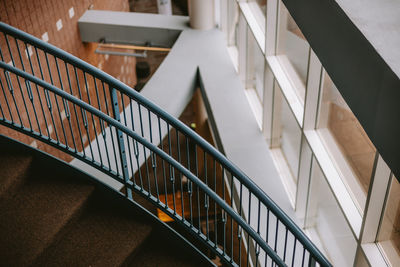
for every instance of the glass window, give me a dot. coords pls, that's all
(289, 131)
(255, 66)
(347, 142)
(389, 232)
(259, 7)
(326, 222)
(292, 51)
(233, 22)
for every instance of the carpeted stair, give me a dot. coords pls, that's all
(54, 215)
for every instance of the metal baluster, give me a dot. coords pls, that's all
(258, 231)
(30, 95)
(240, 230)
(153, 158)
(20, 87)
(86, 128)
(180, 174)
(104, 132)
(231, 217)
(302, 259)
(171, 169)
(8, 81)
(121, 144)
(248, 222)
(294, 251)
(223, 211)
(8, 105)
(58, 107)
(76, 113)
(206, 200)
(101, 122)
(266, 235)
(163, 164)
(66, 107)
(215, 206)
(38, 93)
(127, 138)
(111, 135)
(189, 185)
(144, 149)
(198, 192)
(48, 100)
(284, 249)
(93, 121)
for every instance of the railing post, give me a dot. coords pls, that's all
(121, 143)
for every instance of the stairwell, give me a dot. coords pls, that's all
(54, 215)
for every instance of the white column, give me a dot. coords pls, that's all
(164, 7)
(201, 13)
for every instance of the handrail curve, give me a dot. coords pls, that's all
(126, 138)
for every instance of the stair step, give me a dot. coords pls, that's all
(159, 251)
(104, 235)
(14, 168)
(36, 212)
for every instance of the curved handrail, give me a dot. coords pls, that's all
(125, 91)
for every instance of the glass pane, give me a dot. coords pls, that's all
(389, 232)
(326, 222)
(258, 8)
(233, 22)
(293, 50)
(290, 133)
(255, 66)
(346, 141)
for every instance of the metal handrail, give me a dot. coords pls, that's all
(127, 138)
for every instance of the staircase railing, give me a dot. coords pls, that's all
(65, 102)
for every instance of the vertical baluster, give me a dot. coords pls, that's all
(206, 199)
(127, 138)
(248, 237)
(239, 235)
(163, 164)
(121, 143)
(9, 83)
(38, 93)
(266, 235)
(197, 187)
(47, 97)
(223, 211)
(75, 112)
(215, 205)
(171, 169)
(20, 87)
(8, 105)
(153, 158)
(103, 133)
(302, 259)
(189, 182)
(258, 230)
(232, 195)
(294, 251)
(144, 148)
(93, 121)
(285, 246)
(111, 134)
(178, 147)
(31, 94)
(276, 234)
(85, 125)
(55, 98)
(66, 107)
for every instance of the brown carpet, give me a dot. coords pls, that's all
(50, 216)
